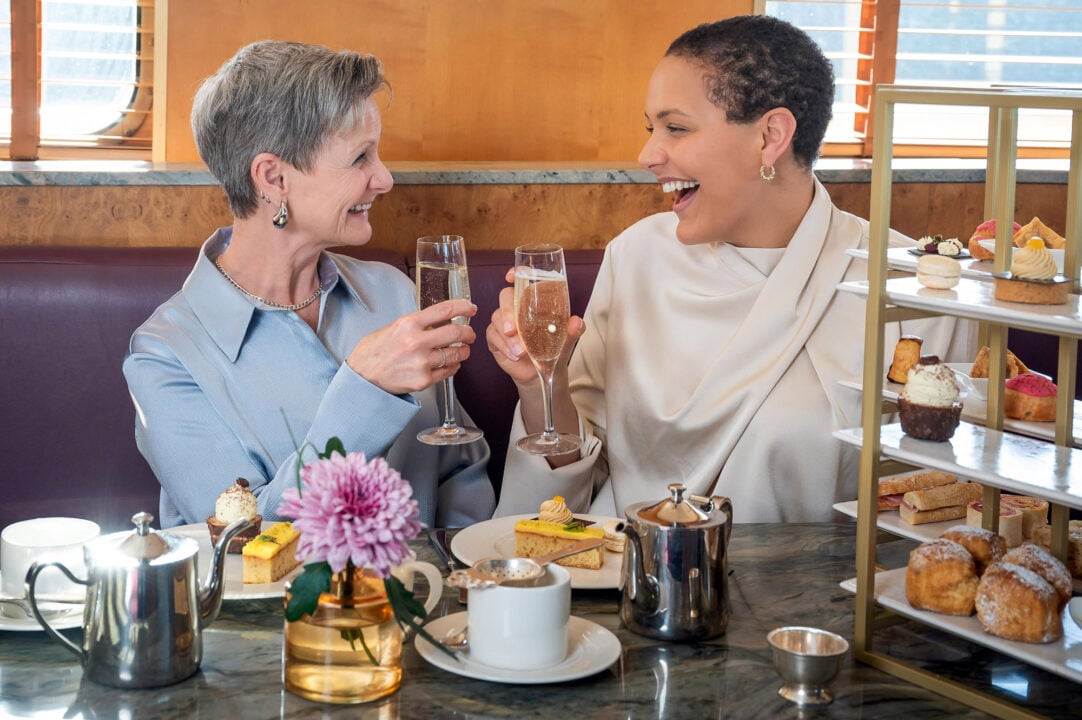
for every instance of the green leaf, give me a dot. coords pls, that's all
(334, 445)
(575, 526)
(407, 609)
(305, 590)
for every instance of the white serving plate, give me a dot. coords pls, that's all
(973, 299)
(496, 539)
(1023, 465)
(234, 587)
(1063, 657)
(591, 649)
(899, 258)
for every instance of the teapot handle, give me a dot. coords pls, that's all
(31, 580)
(722, 502)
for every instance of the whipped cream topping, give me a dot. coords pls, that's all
(555, 510)
(236, 502)
(1034, 262)
(931, 383)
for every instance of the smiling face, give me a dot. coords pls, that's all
(709, 164)
(330, 202)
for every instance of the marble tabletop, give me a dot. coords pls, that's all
(781, 575)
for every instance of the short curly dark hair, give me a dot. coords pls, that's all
(755, 63)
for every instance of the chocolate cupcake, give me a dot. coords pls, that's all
(928, 406)
(235, 502)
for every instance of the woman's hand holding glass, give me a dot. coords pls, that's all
(408, 355)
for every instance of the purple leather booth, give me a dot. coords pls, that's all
(66, 422)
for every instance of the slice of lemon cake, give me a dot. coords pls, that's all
(539, 537)
(271, 554)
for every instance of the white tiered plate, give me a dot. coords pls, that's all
(899, 258)
(234, 587)
(591, 649)
(1063, 657)
(496, 539)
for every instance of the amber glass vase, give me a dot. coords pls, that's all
(350, 649)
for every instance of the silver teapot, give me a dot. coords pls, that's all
(144, 611)
(675, 583)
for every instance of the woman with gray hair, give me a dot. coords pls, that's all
(273, 342)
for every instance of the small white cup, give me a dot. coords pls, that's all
(521, 628)
(44, 540)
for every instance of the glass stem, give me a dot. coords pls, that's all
(449, 421)
(546, 390)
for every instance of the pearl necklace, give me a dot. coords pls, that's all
(296, 306)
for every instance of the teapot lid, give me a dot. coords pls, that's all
(143, 545)
(676, 509)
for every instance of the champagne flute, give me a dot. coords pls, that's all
(542, 308)
(441, 275)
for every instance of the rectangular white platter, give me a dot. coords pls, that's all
(1024, 465)
(899, 258)
(974, 299)
(1063, 657)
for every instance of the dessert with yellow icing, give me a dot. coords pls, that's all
(542, 536)
(271, 554)
(1033, 278)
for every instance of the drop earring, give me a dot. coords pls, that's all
(281, 218)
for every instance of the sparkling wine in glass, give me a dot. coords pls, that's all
(441, 275)
(542, 308)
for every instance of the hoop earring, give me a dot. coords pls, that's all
(764, 175)
(281, 218)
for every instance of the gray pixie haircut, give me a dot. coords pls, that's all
(285, 98)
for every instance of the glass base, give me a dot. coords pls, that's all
(555, 444)
(454, 435)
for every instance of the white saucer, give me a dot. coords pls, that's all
(591, 649)
(63, 620)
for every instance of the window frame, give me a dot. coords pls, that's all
(878, 48)
(116, 140)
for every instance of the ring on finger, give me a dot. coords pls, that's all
(443, 359)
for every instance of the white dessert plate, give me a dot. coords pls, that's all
(591, 649)
(1063, 657)
(70, 617)
(496, 538)
(900, 258)
(234, 587)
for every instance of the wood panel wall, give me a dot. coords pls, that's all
(488, 216)
(482, 80)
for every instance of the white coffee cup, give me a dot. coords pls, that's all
(45, 539)
(521, 627)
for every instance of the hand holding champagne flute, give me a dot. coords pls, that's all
(542, 309)
(442, 275)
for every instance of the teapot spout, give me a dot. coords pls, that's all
(640, 588)
(210, 595)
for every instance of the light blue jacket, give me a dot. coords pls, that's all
(220, 381)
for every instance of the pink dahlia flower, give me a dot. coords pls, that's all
(353, 509)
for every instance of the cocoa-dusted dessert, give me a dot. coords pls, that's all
(235, 502)
(928, 406)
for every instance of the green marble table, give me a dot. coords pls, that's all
(782, 575)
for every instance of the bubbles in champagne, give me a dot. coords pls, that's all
(542, 308)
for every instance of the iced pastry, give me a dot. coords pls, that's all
(235, 502)
(938, 272)
(928, 406)
(1030, 397)
(1033, 278)
(540, 537)
(986, 231)
(270, 555)
(555, 510)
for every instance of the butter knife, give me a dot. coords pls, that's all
(438, 538)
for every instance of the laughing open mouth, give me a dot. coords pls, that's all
(681, 188)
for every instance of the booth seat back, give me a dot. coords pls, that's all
(67, 439)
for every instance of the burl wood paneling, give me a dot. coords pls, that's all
(473, 80)
(488, 216)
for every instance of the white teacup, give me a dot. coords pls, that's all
(521, 628)
(44, 540)
(409, 568)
